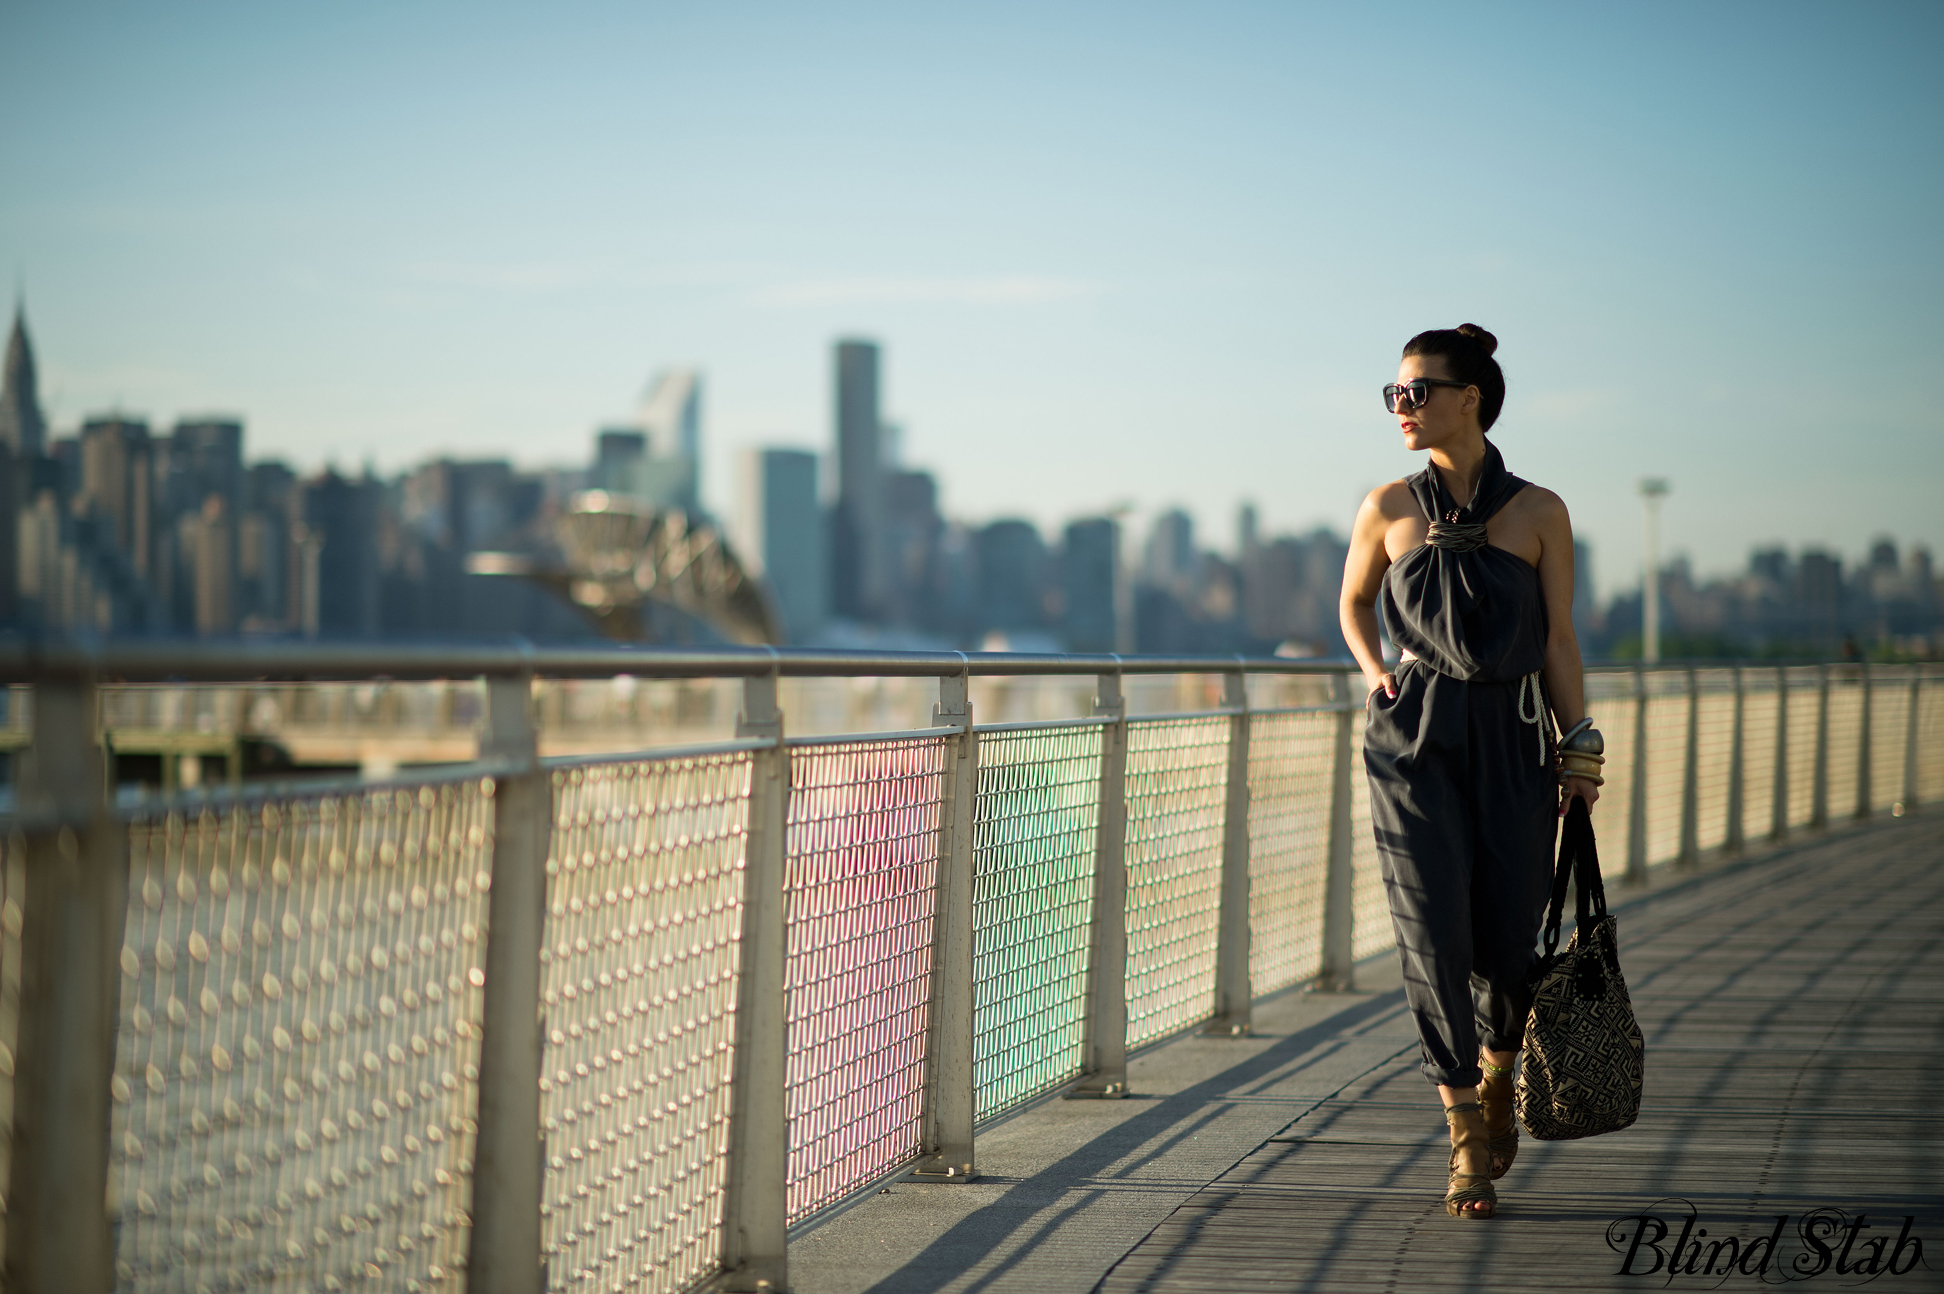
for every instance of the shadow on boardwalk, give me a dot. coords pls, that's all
(1794, 1014)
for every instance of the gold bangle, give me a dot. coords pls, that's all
(1583, 767)
(1582, 754)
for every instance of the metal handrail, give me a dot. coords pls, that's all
(67, 820)
(227, 662)
(134, 661)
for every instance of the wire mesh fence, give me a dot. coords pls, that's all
(1845, 741)
(1667, 720)
(301, 992)
(1930, 740)
(638, 990)
(1289, 841)
(1371, 930)
(1610, 700)
(1714, 753)
(1032, 909)
(1177, 781)
(1763, 712)
(859, 891)
(298, 1042)
(1890, 691)
(1805, 703)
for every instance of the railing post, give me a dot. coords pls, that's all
(1819, 778)
(1779, 792)
(1737, 762)
(58, 1234)
(1864, 790)
(949, 1090)
(1232, 990)
(755, 1230)
(1908, 803)
(1105, 1051)
(1636, 873)
(1336, 972)
(503, 1254)
(1690, 855)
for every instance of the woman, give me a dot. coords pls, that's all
(1475, 570)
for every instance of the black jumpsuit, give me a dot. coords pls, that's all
(1462, 790)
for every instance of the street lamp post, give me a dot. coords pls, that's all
(1652, 490)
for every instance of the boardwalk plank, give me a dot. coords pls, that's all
(1794, 1013)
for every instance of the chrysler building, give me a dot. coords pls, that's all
(22, 428)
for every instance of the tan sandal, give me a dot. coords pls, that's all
(1471, 1160)
(1501, 1123)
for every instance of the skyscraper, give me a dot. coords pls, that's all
(13, 493)
(857, 539)
(264, 557)
(657, 458)
(1819, 595)
(23, 433)
(466, 505)
(205, 458)
(339, 582)
(117, 485)
(1011, 576)
(446, 509)
(671, 414)
(618, 455)
(59, 469)
(1170, 559)
(912, 529)
(1088, 553)
(1290, 587)
(779, 534)
(23, 429)
(209, 546)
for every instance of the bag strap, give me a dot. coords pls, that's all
(1578, 856)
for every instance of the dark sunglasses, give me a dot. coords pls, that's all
(1415, 392)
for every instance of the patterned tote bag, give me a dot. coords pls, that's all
(1584, 1053)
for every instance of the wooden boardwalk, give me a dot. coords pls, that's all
(1794, 1015)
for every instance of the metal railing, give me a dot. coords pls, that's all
(619, 1022)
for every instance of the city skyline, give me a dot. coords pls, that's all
(120, 529)
(1091, 238)
(668, 419)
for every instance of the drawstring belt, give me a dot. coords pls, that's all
(1532, 702)
(1537, 718)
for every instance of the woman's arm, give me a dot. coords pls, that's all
(1564, 674)
(1363, 575)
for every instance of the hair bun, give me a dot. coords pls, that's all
(1486, 342)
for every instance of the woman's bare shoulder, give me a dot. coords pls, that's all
(1392, 500)
(1540, 504)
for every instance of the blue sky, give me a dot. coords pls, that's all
(1130, 253)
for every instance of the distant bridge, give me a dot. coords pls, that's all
(619, 558)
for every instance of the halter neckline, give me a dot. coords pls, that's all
(1464, 614)
(1495, 488)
